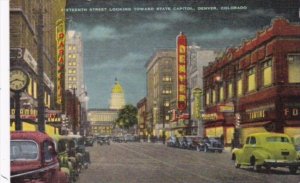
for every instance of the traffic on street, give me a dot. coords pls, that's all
(143, 162)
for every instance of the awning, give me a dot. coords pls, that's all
(292, 122)
(256, 124)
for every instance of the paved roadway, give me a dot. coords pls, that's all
(156, 163)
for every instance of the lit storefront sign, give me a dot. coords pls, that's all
(182, 72)
(226, 108)
(197, 103)
(60, 62)
(292, 111)
(53, 116)
(25, 114)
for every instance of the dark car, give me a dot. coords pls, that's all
(34, 159)
(210, 145)
(89, 141)
(80, 150)
(173, 142)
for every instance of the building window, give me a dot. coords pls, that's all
(294, 68)
(267, 73)
(74, 56)
(34, 89)
(70, 71)
(230, 90)
(251, 79)
(240, 84)
(167, 78)
(70, 55)
(214, 96)
(29, 88)
(207, 97)
(70, 78)
(166, 103)
(221, 93)
(70, 63)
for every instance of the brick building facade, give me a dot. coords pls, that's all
(256, 86)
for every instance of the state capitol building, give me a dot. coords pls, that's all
(102, 120)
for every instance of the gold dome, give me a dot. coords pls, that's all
(117, 88)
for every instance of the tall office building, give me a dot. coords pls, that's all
(74, 62)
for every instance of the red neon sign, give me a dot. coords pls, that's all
(181, 50)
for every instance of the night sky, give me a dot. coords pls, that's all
(119, 38)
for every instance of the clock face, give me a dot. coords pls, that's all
(18, 80)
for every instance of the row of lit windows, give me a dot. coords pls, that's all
(72, 55)
(70, 78)
(72, 64)
(167, 78)
(251, 78)
(70, 86)
(32, 91)
(211, 96)
(72, 47)
(71, 71)
(167, 91)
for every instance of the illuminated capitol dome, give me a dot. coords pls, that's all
(117, 100)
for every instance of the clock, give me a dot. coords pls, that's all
(19, 79)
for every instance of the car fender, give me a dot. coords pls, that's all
(260, 156)
(236, 154)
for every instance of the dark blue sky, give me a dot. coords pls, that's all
(119, 43)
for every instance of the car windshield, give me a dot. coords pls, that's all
(277, 139)
(23, 150)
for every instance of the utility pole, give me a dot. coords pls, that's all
(40, 86)
(74, 112)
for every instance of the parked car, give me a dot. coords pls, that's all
(65, 163)
(101, 140)
(89, 141)
(210, 144)
(81, 152)
(267, 150)
(173, 142)
(34, 159)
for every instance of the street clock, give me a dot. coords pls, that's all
(19, 79)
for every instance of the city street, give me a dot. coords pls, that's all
(155, 163)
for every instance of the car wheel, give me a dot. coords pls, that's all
(236, 164)
(293, 169)
(256, 167)
(205, 149)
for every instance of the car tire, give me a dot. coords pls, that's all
(256, 167)
(293, 169)
(236, 164)
(205, 149)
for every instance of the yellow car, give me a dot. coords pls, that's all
(267, 150)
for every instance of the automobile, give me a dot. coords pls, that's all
(210, 144)
(103, 140)
(33, 159)
(65, 163)
(182, 142)
(89, 141)
(296, 142)
(267, 150)
(173, 142)
(82, 154)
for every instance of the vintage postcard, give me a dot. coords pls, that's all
(144, 91)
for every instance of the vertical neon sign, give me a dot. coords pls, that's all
(181, 53)
(60, 62)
